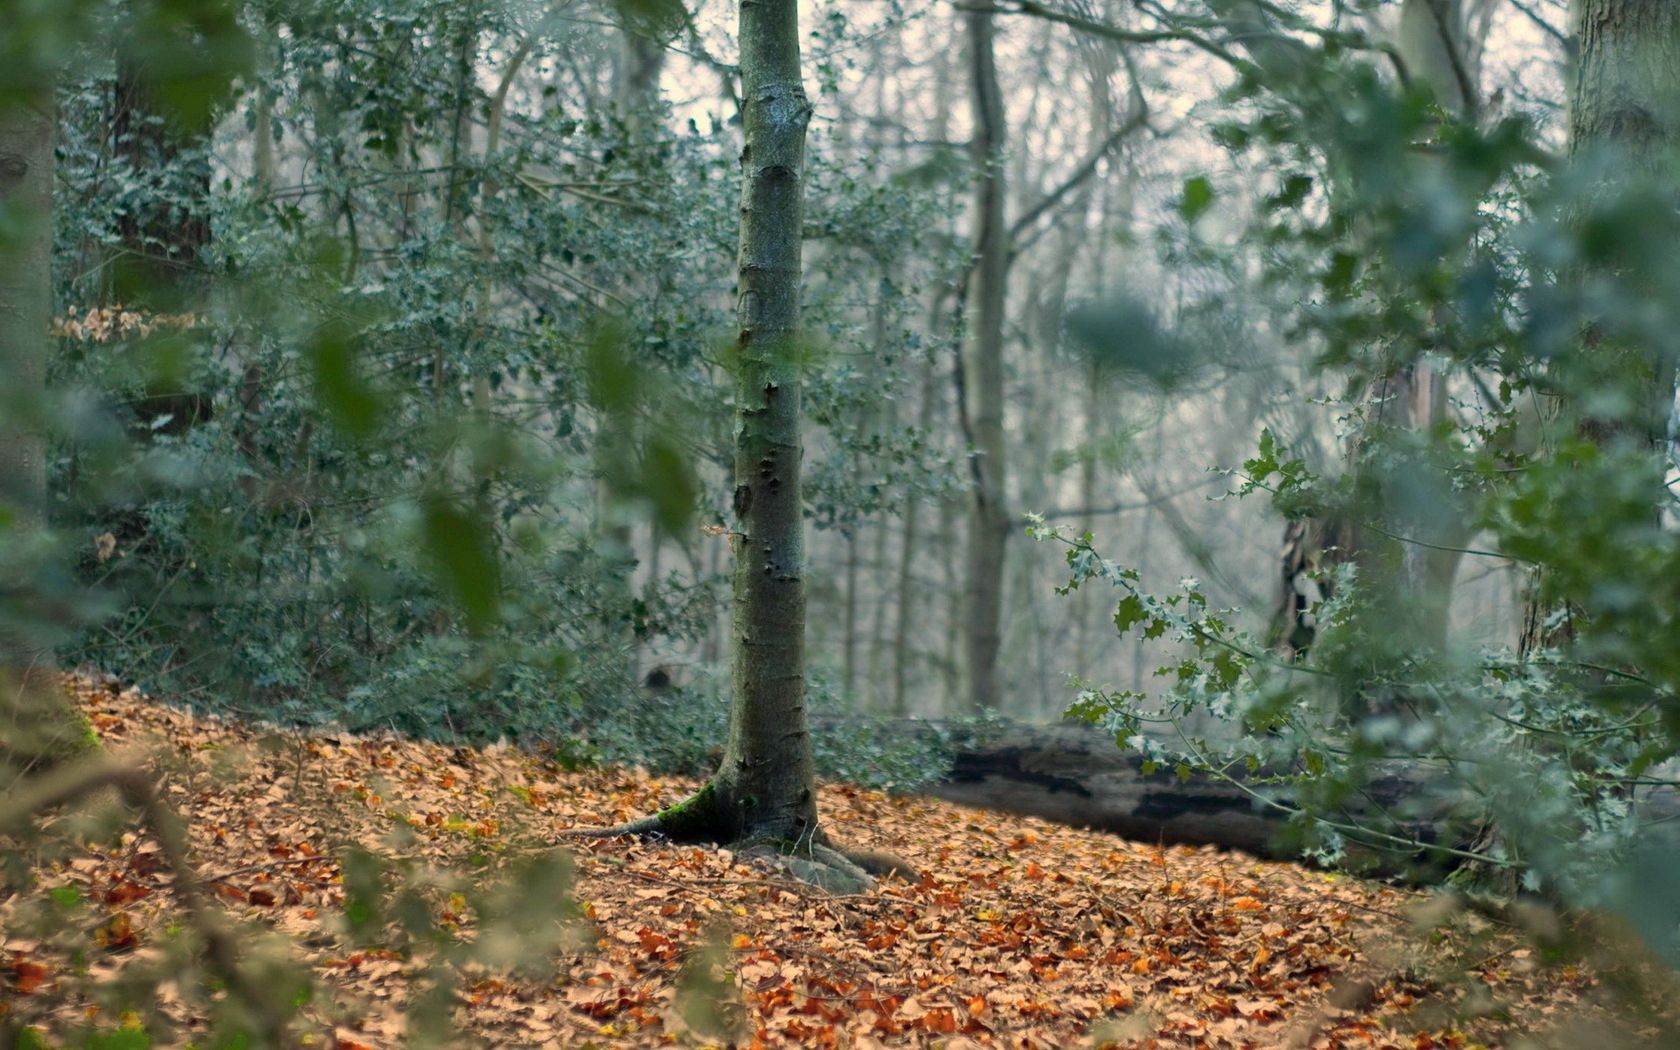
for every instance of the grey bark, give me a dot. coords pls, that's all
(989, 519)
(763, 790)
(1626, 91)
(636, 74)
(766, 773)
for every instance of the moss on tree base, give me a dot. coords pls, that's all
(705, 817)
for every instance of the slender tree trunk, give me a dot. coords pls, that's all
(636, 75)
(641, 63)
(849, 615)
(907, 553)
(764, 790)
(37, 724)
(766, 773)
(926, 419)
(988, 516)
(1434, 43)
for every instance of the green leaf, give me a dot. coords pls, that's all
(670, 484)
(350, 402)
(364, 892)
(124, 1038)
(707, 999)
(459, 549)
(1128, 612)
(1197, 199)
(653, 18)
(613, 378)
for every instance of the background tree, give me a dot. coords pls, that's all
(39, 727)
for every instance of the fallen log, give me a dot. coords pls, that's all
(1076, 775)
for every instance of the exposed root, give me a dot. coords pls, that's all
(694, 819)
(880, 864)
(634, 829)
(813, 863)
(811, 858)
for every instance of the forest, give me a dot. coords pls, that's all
(840, 523)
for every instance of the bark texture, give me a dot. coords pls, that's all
(764, 785)
(989, 520)
(763, 792)
(1626, 102)
(1627, 80)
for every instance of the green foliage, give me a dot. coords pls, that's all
(707, 999)
(380, 467)
(682, 731)
(1400, 247)
(1197, 198)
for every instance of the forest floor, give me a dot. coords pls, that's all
(1018, 934)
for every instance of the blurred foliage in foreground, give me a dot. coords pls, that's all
(1505, 324)
(358, 413)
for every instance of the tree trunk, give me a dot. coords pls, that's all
(1434, 44)
(641, 63)
(1625, 99)
(636, 75)
(906, 586)
(989, 521)
(763, 791)
(38, 724)
(849, 615)
(765, 782)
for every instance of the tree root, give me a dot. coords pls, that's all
(811, 858)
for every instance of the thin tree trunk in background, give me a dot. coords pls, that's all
(907, 552)
(38, 722)
(989, 521)
(641, 63)
(636, 78)
(1433, 40)
(262, 161)
(849, 636)
(1413, 580)
(1101, 62)
(926, 418)
(637, 74)
(881, 341)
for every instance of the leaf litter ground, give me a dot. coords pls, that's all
(1019, 933)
